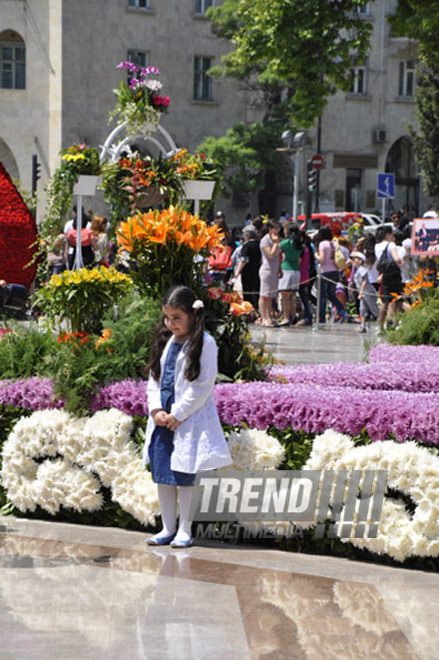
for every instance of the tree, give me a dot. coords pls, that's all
(419, 20)
(303, 46)
(246, 152)
(426, 137)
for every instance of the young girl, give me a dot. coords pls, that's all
(184, 434)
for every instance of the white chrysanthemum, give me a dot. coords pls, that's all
(252, 449)
(77, 452)
(328, 448)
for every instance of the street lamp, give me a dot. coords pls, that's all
(294, 144)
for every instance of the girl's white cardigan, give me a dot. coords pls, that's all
(199, 442)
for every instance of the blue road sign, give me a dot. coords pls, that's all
(386, 186)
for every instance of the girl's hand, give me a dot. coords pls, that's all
(160, 418)
(172, 423)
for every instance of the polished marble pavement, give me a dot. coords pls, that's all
(71, 592)
(332, 342)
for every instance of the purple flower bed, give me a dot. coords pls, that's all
(29, 393)
(315, 409)
(129, 396)
(411, 377)
(404, 354)
(301, 405)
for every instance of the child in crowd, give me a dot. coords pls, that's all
(367, 294)
(183, 434)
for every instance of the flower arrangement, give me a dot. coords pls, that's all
(418, 289)
(254, 450)
(139, 101)
(139, 181)
(194, 166)
(422, 355)
(82, 296)
(81, 454)
(18, 235)
(165, 245)
(412, 471)
(75, 160)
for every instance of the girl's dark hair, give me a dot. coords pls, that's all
(382, 232)
(183, 298)
(294, 235)
(369, 249)
(326, 233)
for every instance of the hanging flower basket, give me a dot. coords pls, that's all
(151, 198)
(200, 189)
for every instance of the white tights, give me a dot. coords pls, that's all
(168, 509)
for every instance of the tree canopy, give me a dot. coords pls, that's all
(419, 20)
(306, 47)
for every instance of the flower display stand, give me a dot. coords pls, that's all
(86, 185)
(198, 190)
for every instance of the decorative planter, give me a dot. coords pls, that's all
(201, 189)
(151, 198)
(86, 184)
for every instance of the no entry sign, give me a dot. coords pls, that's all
(317, 161)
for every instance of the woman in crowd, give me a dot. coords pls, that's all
(269, 273)
(99, 228)
(248, 266)
(329, 274)
(289, 283)
(88, 245)
(391, 282)
(307, 277)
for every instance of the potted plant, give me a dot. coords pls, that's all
(139, 102)
(77, 160)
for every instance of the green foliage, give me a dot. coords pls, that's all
(418, 326)
(76, 160)
(418, 20)
(26, 352)
(304, 46)
(82, 297)
(78, 370)
(426, 137)
(246, 152)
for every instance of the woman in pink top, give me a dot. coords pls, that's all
(330, 274)
(88, 245)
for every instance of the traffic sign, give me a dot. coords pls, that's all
(317, 162)
(386, 186)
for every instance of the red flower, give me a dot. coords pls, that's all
(18, 235)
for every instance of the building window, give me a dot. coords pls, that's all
(406, 86)
(13, 65)
(201, 6)
(359, 80)
(202, 82)
(364, 10)
(139, 4)
(138, 57)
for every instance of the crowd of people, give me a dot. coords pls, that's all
(95, 245)
(274, 264)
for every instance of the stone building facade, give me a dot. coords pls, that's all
(71, 50)
(58, 69)
(365, 131)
